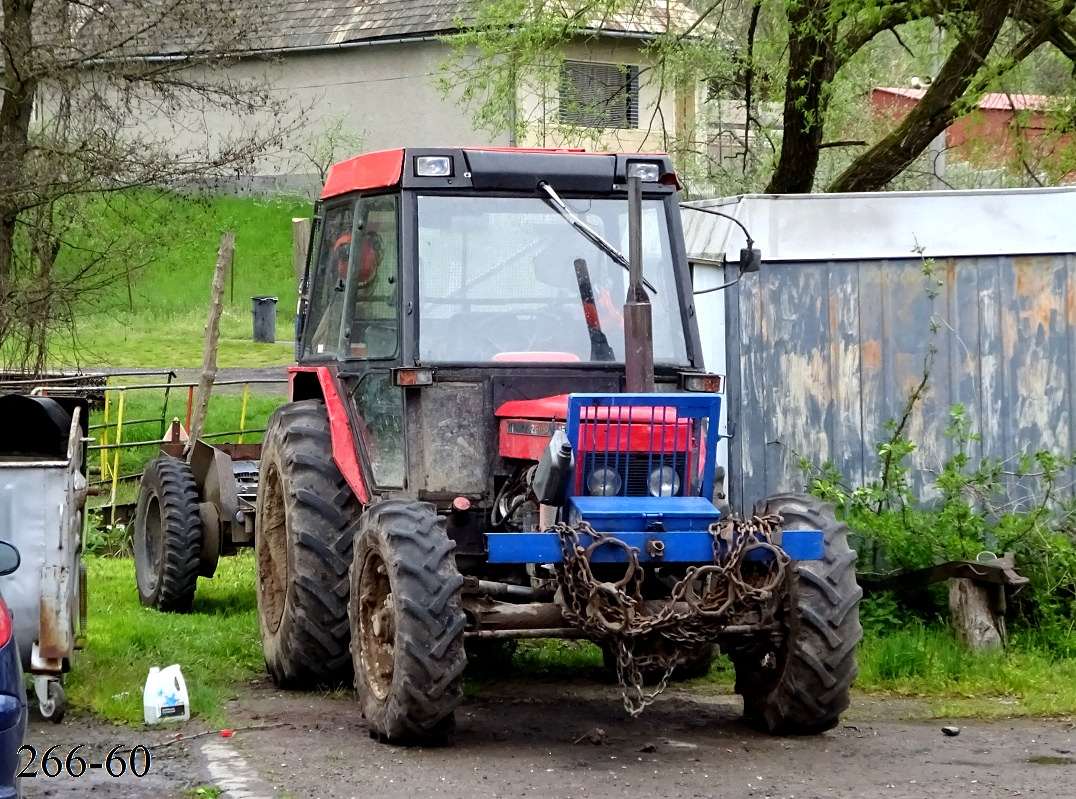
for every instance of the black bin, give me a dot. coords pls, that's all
(264, 319)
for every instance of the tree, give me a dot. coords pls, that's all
(811, 48)
(97, 98)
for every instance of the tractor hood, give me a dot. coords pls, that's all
(544, 408)
(526, 425)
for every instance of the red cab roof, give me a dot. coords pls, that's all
(384, 168)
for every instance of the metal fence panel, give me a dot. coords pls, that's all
(822, 353)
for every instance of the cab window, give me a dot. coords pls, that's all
(328, 282)
(371, 329)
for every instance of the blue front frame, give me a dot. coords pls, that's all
(693, 547)
(680, 523)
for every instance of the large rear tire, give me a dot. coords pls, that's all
(306, 518)
(407, 623)
(802, 686)
(167, 536)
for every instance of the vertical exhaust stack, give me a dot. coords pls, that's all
(638, 319)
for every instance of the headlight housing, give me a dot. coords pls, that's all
(663, 482)
(433, 166)
(646, 171)
(604, 482)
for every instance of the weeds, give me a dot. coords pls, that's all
(972, 516)
(101, 540)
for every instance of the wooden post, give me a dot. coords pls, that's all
(300, 232)
(977, 613)
(212, 335)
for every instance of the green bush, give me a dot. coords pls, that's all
(978, 507)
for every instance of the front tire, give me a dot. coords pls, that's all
(802, 686)
(407, 623)
(306, 517)
(167, 537)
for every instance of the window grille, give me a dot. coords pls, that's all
(599, 95)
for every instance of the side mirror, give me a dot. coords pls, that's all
(750, 259)
(9, 558)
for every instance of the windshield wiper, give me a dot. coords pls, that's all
(589, 233)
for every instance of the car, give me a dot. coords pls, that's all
(12, 688)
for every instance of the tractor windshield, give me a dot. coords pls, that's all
(510, 279)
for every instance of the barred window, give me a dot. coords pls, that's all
(599, 95)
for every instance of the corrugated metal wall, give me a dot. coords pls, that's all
(822, 354)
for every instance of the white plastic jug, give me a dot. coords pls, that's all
(165, 696)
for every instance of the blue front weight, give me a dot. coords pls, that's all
(678, 547)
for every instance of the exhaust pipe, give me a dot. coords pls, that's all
(638, 319)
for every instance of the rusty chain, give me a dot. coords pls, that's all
(701, 604)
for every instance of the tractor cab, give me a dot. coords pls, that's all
(445, 286)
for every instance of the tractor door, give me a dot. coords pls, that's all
(353, 320)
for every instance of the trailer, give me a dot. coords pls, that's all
(43, 491)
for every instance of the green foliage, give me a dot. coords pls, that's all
(971, 514)
(101, 540)
(881, 613)
(203, 792)
(505, 67)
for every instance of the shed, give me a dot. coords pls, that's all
(861, 294)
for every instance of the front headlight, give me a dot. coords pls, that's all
(604, 482)
(663, 482)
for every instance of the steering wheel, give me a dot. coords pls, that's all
(503, 332)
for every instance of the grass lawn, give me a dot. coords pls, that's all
(218, 647)
(158, 317)
(178, 341)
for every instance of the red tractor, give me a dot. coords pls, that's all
(485, 442)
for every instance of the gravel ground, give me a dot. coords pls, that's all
(573, 740)
(173, 767)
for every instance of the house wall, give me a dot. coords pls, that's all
(382, 96)
(387, 95)
(658, 111)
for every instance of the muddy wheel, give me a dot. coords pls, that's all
(406, 623)
(697, 659)
(306, 517)
(167, 537)
(801, 686)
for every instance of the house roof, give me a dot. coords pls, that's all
(994, 101)
(283, 25)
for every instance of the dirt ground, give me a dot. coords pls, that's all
(550, 740)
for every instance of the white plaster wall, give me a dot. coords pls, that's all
(386, 94)
(538, 104)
